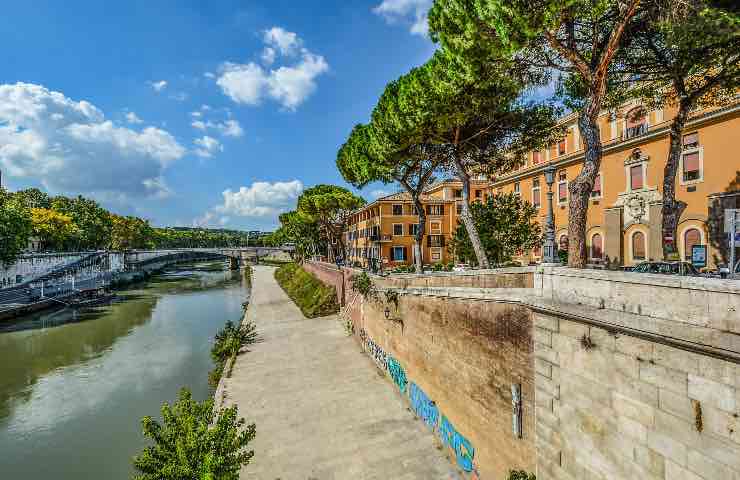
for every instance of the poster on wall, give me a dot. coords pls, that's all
(699, 256)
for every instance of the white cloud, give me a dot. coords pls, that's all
(290, 86)
(196, 114)
(411, 12)
(132, 118)
(261, 199)
(375, 194)
(159, 86)
(70, 147)
(227, 128)
(268, 55)
(209, 75)
(286, 42)
(207, 146)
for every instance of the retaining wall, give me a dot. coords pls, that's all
(623, 375)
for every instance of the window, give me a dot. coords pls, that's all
(437, 254)
(536, 202)
(691, 166)
(458, 193)
(691, 237)
(435, 227)
(638, 246)
(691, 140)
(536, 158)
(435, 210)
(636, 180)
(397, 229)
(397, 209)
(562, 187)
(413, 228)
(478, 193)
(563, 242)
(636, 123)
(435, 241)
(458, 208)
(596, 192)
(517, 189)
(398, 254)
(537, 251)
(596, 247)
(561, 147)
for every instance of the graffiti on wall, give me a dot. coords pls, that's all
(422, 405)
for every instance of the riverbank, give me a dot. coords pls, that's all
(321, 408)
(76, 384)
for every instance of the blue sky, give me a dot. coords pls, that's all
(194, 112)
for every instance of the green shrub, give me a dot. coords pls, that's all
(228, 342)
(362, 284)
(310, 295)
(521, 475)
(194, 441)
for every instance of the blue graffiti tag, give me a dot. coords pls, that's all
(423, 406)
(463, 448)
(396, 372)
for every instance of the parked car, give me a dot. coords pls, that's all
(667, 268)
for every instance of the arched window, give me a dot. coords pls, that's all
(636, 122)
(563, 242)
(596, 246)
(638, 246)
(537, 251)
(691, 237)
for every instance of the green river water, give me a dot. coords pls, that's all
(75, 385)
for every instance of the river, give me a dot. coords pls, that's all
(75, 385)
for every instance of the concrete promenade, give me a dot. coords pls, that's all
(322, 409)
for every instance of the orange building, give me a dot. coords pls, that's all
(624, 215)
(385, 229)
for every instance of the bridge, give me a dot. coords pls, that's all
(35, 281)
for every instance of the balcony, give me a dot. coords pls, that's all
(636, 131)
(381, 238)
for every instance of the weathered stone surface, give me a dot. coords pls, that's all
(321, 409)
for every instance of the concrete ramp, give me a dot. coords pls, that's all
(323, 410)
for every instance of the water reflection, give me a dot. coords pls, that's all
(73, 389)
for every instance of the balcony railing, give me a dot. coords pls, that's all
(381, 238)
(636, 131)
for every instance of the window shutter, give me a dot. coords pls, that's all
(691, 162)
(691, 139)
(404, 254)
(597, 183)
(442, 209)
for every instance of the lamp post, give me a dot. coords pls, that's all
(549, 252)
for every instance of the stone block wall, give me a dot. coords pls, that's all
(518, 277)
(614, 406)
(456, 362)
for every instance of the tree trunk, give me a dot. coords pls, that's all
(467, 218)
(419, 234)
(672, 208)
(580, 188)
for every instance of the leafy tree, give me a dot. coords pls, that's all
(94, 222)
(330, 207)
(686, 55)
(301, 230)
(54, 229)
(15, 228)
(478, 123)
(194, 441)
(33, 198)
(579, 38)
(130, 233)
(507, 225)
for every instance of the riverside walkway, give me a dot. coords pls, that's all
(322, 410)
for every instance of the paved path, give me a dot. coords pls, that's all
(322, 409)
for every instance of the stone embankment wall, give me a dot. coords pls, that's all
(631, 376)
(28, 267)
(643, 383)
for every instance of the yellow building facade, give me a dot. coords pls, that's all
(624, 215)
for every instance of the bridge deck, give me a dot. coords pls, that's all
(321, 408)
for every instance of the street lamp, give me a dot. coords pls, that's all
(549, 253)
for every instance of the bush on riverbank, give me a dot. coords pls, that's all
(313, 297)
(195, 441)
(228, 343)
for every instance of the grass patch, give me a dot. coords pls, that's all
(313, 297)
(273, 262)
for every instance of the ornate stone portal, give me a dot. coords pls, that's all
(636, 203)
